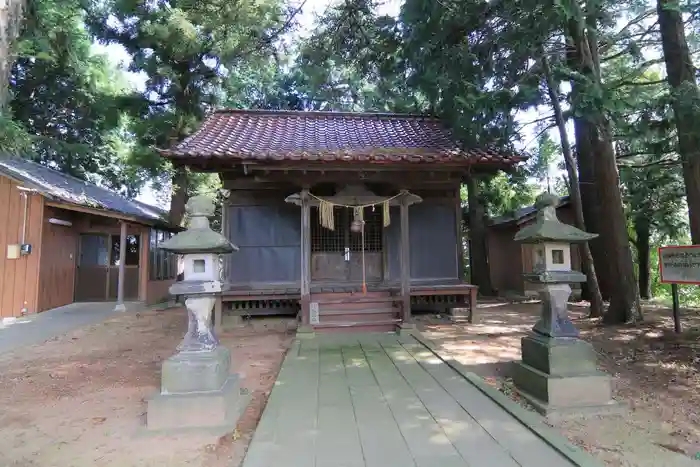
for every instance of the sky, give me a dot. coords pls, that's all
(310, 10)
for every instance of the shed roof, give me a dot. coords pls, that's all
(523, 214)
(65, 188)
(260, 135)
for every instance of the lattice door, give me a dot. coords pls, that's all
(336, 255)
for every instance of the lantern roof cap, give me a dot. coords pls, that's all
(199, 237)
(548, 228)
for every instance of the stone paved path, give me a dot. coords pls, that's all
(382, 401)
(37, 328)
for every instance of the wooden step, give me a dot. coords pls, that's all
(354, 300)
(362, 311)
(355, 307)
(358, 326)
(323, 296)
(357, 317)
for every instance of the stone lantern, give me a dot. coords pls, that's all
(558, 371)
(197, 389)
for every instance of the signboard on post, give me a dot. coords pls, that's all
(679, 264)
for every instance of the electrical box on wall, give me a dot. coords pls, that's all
(13, 251)
(25, 249)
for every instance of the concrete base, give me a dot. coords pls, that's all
(460, 317)
(406, 329)
(305, 331)
(120, 307)
(209, 410)
(561, 376)
(187, 372)
(197, 391)
(553, 413)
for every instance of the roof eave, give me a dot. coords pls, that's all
(112, 214)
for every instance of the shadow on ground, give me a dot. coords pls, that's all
(655, 373)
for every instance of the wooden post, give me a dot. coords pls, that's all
(225, 233)
(122, 268)
(144, 266)
(676, 311)
(405, 263)
(460, 237)
(305, 257)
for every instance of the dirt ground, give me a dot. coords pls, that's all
(656, 376)
(78, 400)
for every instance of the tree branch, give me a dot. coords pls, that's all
(661, 163)
(636, 83)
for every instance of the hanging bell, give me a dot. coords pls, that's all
(356, 226)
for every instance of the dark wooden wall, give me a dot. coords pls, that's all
(505, 258)
(268, 233)
(433, 240)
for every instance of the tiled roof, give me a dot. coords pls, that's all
(257, 135)
(67, 189)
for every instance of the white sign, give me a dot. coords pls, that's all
(314, 317)
(679, 264)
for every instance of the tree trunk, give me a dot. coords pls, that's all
(624, 297)
(643, 234)
(596, 300)
(180, 183)
(478, 249)
(11, 15)
(589, 200)
(681, 78)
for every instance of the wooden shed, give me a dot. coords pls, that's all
(508, 260)
(352, 218)
(62, 238)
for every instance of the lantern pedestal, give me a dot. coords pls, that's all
(197, 391)
(559, 376)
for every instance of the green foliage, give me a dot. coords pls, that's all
(13, 137)
(188, 51)
(66, 99)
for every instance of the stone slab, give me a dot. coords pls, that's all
(584, 390)
(214, 409)
(558, 356)
(187, 372)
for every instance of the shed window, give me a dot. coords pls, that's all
(162, 264)
(132, 250)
